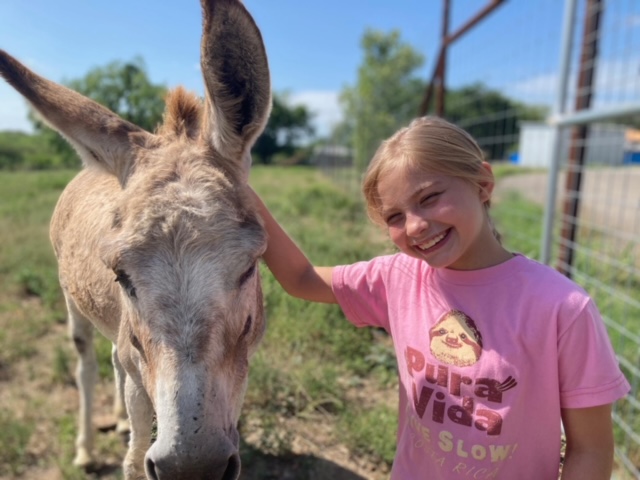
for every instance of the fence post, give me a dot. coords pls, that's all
(559, 109)
(588, 55)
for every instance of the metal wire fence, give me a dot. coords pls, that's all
(576, 171)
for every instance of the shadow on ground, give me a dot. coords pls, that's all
(256, 465)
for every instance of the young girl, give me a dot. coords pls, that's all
(494, 350)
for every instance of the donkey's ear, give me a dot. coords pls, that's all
(100, 137)
(236, 75)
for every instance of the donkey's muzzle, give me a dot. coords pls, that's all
(213, 467)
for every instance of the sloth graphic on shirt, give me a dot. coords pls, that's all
(455, 340)
(456, 343)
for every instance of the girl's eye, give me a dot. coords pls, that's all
(392, 219)
(429, 198)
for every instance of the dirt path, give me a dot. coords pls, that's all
(610, 197)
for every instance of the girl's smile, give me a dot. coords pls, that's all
(433, 243)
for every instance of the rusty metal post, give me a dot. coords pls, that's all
(439, 72)
(577, 152)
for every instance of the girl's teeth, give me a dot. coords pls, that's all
(434, 241)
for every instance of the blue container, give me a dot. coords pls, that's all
(631, 157)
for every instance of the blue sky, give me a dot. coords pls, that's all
(313, 46)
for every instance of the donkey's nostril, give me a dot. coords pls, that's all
(151, 469)
(233, 468)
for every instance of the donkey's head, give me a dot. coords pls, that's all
(184, 240)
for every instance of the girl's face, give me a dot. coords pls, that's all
(440, 219)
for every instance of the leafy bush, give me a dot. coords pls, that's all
(24, 151)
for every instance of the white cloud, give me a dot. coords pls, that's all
(633, 21)
(323, 104)
(13, 110)
(537, 89)
(616, 82)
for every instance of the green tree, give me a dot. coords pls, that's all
(287, 126)
(386, 96)
(22, 151)
(11, 155)
(490, 117)
(124, 88)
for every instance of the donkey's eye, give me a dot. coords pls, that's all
(125, 282)
(135, 341)
(247, 275)
(247, 327)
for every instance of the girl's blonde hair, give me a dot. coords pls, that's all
(430, 144)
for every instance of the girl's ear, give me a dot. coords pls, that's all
(486, 187)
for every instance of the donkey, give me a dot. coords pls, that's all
(168, 216)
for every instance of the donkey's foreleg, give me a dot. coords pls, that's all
(81, 332)
(141, 418)
(119, 406)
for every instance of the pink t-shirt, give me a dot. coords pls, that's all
(486, 360)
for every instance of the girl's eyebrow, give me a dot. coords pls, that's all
(429, 185)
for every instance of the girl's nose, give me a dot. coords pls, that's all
(415, 224)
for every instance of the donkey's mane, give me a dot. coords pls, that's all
(185, 182)
(182, 116)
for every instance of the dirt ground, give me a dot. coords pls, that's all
(27, 391)
(610, 197)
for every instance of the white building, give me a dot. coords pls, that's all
(606, 144)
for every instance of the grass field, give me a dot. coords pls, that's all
(322, 394)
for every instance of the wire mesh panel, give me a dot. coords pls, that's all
(551, 91)
(590, 134)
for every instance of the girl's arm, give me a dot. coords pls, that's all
(290, 266)
(589, 454)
